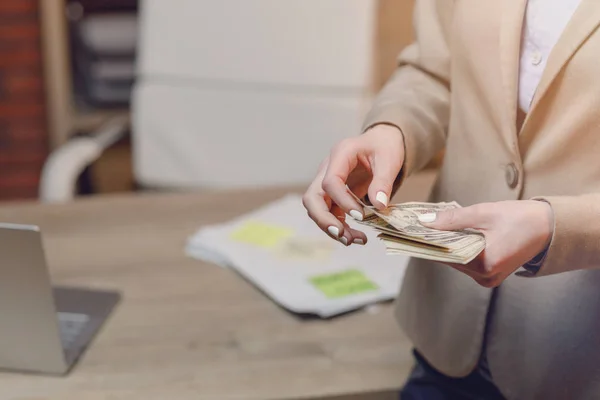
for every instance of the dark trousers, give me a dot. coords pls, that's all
(425, 383)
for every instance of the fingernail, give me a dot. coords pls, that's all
(427, 218)
(382, 198)
(359, 241)
(357, 215)
(344, 240)
(334, 231)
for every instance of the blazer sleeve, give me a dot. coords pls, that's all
(575, 244)
(416, 99)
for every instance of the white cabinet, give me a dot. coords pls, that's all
(324, 43)
(245, 92)
(198, 136)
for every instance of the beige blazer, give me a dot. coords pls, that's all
(456, 87)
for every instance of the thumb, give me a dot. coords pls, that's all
(452, 220)
(384, 176)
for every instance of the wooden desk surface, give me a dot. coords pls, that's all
(191, 330)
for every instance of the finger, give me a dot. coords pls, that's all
(318, 210)
(491, 282)
(353, 236)
(338, 212)
(488, 281)
(358, 237)
(476, 217)
(385, 171)
(359, 180)
(477, 269)
(346, 238)
(485, 281)
(360, 189)
(473, 272)
(342, 162)
(350, 236)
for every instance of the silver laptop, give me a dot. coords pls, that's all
(42, 329)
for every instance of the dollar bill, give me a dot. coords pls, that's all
(402, 233)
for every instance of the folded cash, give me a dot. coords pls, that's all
(402, 233)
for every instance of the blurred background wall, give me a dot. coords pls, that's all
(394, 32)
(60, 79)
(23, 122)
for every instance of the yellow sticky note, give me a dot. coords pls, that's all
(260, 234)
(343, 283)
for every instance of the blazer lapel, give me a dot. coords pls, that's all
(584, 22)
(513, 14)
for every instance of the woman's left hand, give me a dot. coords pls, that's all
(515, 232)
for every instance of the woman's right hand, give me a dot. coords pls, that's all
(366, 164)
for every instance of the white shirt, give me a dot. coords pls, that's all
(545, 20)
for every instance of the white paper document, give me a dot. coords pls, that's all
(280, 250)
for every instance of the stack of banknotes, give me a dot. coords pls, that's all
(402, 233)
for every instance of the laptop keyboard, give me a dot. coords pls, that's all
(71, 325)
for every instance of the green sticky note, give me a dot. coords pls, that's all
(342, 284)
(260, 234)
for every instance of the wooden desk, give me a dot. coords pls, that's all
(190, 330)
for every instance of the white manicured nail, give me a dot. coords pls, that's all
(359, 241)
(427, 218)
(357, 215)
(334, 231)
(382, 198)
(344, 240)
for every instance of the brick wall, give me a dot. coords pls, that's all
(23, 135)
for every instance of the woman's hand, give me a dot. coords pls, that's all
(368, 163)
(515, 232)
